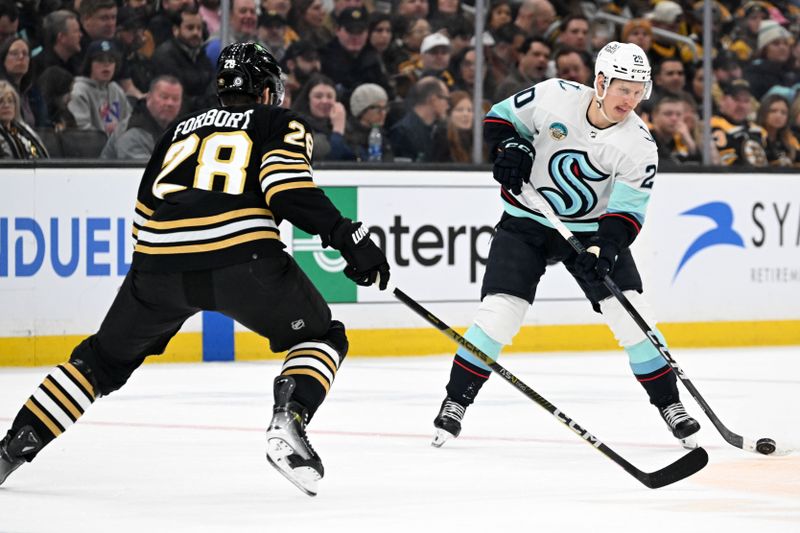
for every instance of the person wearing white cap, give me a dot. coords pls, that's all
(773, 66)
(435, 57)
(666, 15)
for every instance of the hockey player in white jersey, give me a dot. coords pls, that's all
(594, 161)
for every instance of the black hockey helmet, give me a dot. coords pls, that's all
(248, 68)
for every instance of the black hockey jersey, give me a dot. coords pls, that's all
(218, 185)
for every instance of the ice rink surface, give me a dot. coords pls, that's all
(181, 448)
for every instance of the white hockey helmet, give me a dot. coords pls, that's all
(623, 61)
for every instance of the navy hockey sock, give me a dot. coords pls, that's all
(466, 381)
(653, 372)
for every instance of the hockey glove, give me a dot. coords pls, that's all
(366, 263)
(594, 263)
(513, 163)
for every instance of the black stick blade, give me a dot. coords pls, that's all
(689, 464)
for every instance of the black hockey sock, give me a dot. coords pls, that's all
(313, 366)
(661, 386)
(57, 403)
(466, 380)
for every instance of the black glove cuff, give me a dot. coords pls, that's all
(339, 234)
(515, 143)
(617, 231)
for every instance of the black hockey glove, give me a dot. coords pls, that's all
(597, 260)
(513, 163)
(366, 263)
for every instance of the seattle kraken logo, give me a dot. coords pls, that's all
(722, 233)
(570, 171)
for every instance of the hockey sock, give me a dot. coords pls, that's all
(653, 372)
(60, 400)
(313, 366)
(468, 373)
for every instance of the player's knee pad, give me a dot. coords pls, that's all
(625, 329)
(99, 367)
(500, 316)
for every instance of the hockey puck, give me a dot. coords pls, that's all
(765, 446)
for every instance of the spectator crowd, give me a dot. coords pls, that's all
(390, 80)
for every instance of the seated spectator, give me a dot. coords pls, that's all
(413, 9)
(272, 33)
(639, 32)
(380, 36)
(131, 39)
(368, 106)
(444, 12)
(434, 59)
(403, 55)
(326, 116)
(675, 142)
(17, 139)
(161, 22)
(574, 65)
(774, 63)
(243, 27)
(411, 137)
(740, 142)
(55, 85)
(745, 36)
(783, 148)
(136, 136)
(15, 67)
(182, 56)
(301, 61)
(534, 54)
(308, 20)
(463, 67)
(98, 102)
(504, 54)
(452, 140)
(62, 44)
(499, 14)
(9, 19)
(210, 13)
(347, 59)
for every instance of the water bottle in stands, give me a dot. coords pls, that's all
(375, 144)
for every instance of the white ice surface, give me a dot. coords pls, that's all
(181, 448)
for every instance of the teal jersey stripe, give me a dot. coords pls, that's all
(626, 199)
(484, 342)
(579, 227)
(505, 110)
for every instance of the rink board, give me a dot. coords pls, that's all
(718, 254)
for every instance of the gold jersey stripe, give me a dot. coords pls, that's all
(41, 415)
(198, 248)
(316, 354)
(143, 208)
(80, 378)
(272, 191)
(308, 372)
(66, 403)
(287, 153)
(205, 221)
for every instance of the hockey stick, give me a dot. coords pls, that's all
(765, 445)
(684, 467)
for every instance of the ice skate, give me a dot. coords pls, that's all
(14, 449)
(683, 426)
(448, 422)
(288, 449)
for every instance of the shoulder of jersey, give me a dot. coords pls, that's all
(558, 90)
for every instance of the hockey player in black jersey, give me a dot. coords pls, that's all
(206, 238)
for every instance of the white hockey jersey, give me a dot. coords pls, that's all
(582, 171)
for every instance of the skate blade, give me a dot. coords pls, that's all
(690, 442)
(303, 477)
(440, 437)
